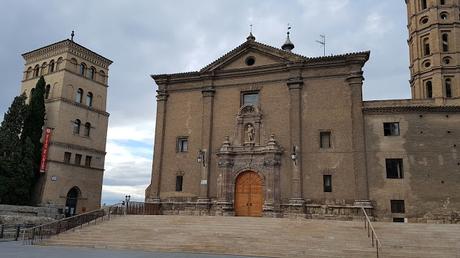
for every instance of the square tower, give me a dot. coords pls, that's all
(77, 121)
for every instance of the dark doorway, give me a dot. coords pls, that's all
(71, 202)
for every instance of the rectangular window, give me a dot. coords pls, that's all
(77, 159)
(397, 206)
(250, 98)
(423, 4)
(391, 129)
(67, 156)
(179, 181)
(327, 183)
(182, 144)
(394, 168)
(325, 140)
(88, 161)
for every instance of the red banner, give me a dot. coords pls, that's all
(46, 143)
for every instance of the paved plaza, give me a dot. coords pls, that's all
(17, 250)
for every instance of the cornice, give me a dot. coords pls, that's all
(78, 105)
(77, 147)
(70, 47)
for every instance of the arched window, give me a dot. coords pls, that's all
(29, 73)
(445, 42)
(42, 71)
(87, 129)
(36, 71)
(79, 97)
(89, 99)
(91, 73)
(429, 89)
(448, 87)
(102, 75)
(423, 4)
(426, 47)
(51, 67)
(82, 68)
(58, 64)
(47, 91)
(76, 126)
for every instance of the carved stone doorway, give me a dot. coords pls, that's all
(249, 194)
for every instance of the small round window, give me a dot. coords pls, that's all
(250, 61)
(427, 64)
(444, 16)
(424, 20)
(446, 60)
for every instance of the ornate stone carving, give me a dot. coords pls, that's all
(250, 132)
(264, 159)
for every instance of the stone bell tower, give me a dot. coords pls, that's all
(434, 31)
(76, 124)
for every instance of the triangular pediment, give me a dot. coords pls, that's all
(252, 54)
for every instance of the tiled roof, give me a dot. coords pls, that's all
(408, 109)
(282, 53)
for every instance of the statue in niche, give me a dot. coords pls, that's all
(250, 132)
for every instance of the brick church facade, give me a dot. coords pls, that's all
(263, 131)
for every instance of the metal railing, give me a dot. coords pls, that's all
(35, 234)
(141, 208)
(371, 233)
(11, 232)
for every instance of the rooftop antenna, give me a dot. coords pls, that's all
(72, 35)
(322, 42)
(250, 30)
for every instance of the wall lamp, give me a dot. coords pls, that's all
(294, 154)
(201, 158)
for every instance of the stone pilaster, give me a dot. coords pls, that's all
(355, 81)
(206, 138)
(295, 86)
(224, 184)
(155, 185)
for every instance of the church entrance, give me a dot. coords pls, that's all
(71, 202)
(249, 195)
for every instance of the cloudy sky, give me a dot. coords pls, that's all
(151, 37)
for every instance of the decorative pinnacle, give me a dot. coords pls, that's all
(288, 45)
(251, 37)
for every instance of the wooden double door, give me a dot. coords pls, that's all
(249, 195)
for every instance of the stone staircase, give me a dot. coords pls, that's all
(419, 240)
(268, 237)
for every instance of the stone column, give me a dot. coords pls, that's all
(155, 185)
(355, 81)
(224, 183)
(206, 142)
(295, 120)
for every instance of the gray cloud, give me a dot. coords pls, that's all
(150, 37)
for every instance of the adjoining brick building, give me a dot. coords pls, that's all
(76, 121)
(262, 131)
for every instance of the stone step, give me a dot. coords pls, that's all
(272, 237)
